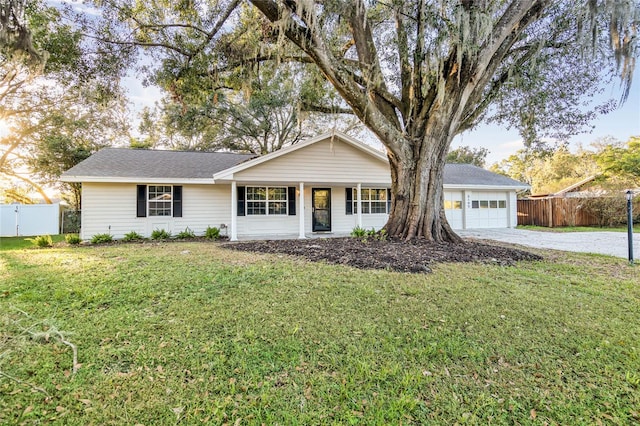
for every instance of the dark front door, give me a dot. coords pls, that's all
(321, 209)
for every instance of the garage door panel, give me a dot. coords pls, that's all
(488, 210)
(453, 208)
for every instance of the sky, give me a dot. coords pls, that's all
(619, 124)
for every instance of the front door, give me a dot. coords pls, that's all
(321, 209)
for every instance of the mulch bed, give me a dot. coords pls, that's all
(396, 255)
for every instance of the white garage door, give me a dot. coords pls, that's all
(488, 210)
(453, 208)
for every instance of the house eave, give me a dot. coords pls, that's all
(137, 179)
(486, 187)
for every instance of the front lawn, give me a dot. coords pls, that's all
(190, 333)
(15, 243)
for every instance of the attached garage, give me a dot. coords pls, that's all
(476, 198)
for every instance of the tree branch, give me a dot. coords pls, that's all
(325, 109)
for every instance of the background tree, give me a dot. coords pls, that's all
(15, 34)
(549, 169)
(417, 73)
(75, 87)
(264, 113)
(622, 162)
(468, 155)
(241, 104)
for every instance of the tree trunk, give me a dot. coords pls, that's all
(417, 206)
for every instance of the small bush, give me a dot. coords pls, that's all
(101, 238)
(212, 233)
(186, 234)
(366, 234)
(358, 232)
(43, 241)
(132, 236)
(72, 239)
(160, 234)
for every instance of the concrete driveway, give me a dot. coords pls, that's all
(610, 243)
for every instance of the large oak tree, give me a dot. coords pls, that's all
(417, 72)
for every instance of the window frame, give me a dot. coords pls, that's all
(266, 204)
(152, 211)
(368, 203)
(488, 204)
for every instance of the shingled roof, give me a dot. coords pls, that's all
(124, 164)
(154, 164)
(470, 175)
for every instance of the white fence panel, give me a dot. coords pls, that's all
(29, 219)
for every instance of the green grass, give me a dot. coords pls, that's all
(15, 243)
(636, 228)
(190, 333)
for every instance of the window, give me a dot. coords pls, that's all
(487, 204)
(263, 200)
(453, 205)
(374, 200)
(160, 200)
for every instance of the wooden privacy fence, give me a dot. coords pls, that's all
(553, 212)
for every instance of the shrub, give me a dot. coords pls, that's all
(358, 232)
(72, 239)
(43, 241)
(101, 238)
(186, 234)
(132, 236)
(160, 234)
(212, 233)
(366, 234)
(609, 210)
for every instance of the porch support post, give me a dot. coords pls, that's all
(359, 204)
(301, 212)
(234, 212)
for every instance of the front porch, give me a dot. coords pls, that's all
(306, 210)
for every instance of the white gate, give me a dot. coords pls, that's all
(29, 219)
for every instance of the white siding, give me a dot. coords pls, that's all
(203, 206)
(512, 205)
(325, 161)
(111, 208)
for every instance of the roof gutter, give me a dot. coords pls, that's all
(137, 179)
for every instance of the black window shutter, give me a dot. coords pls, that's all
(141, 206)
(388, 200)
(292, 200)
(241, 192)
(177, 201)
(349, 196)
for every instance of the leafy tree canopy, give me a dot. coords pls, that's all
(70, 103)
(622, 161)
(613, 163)
(468, 155)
